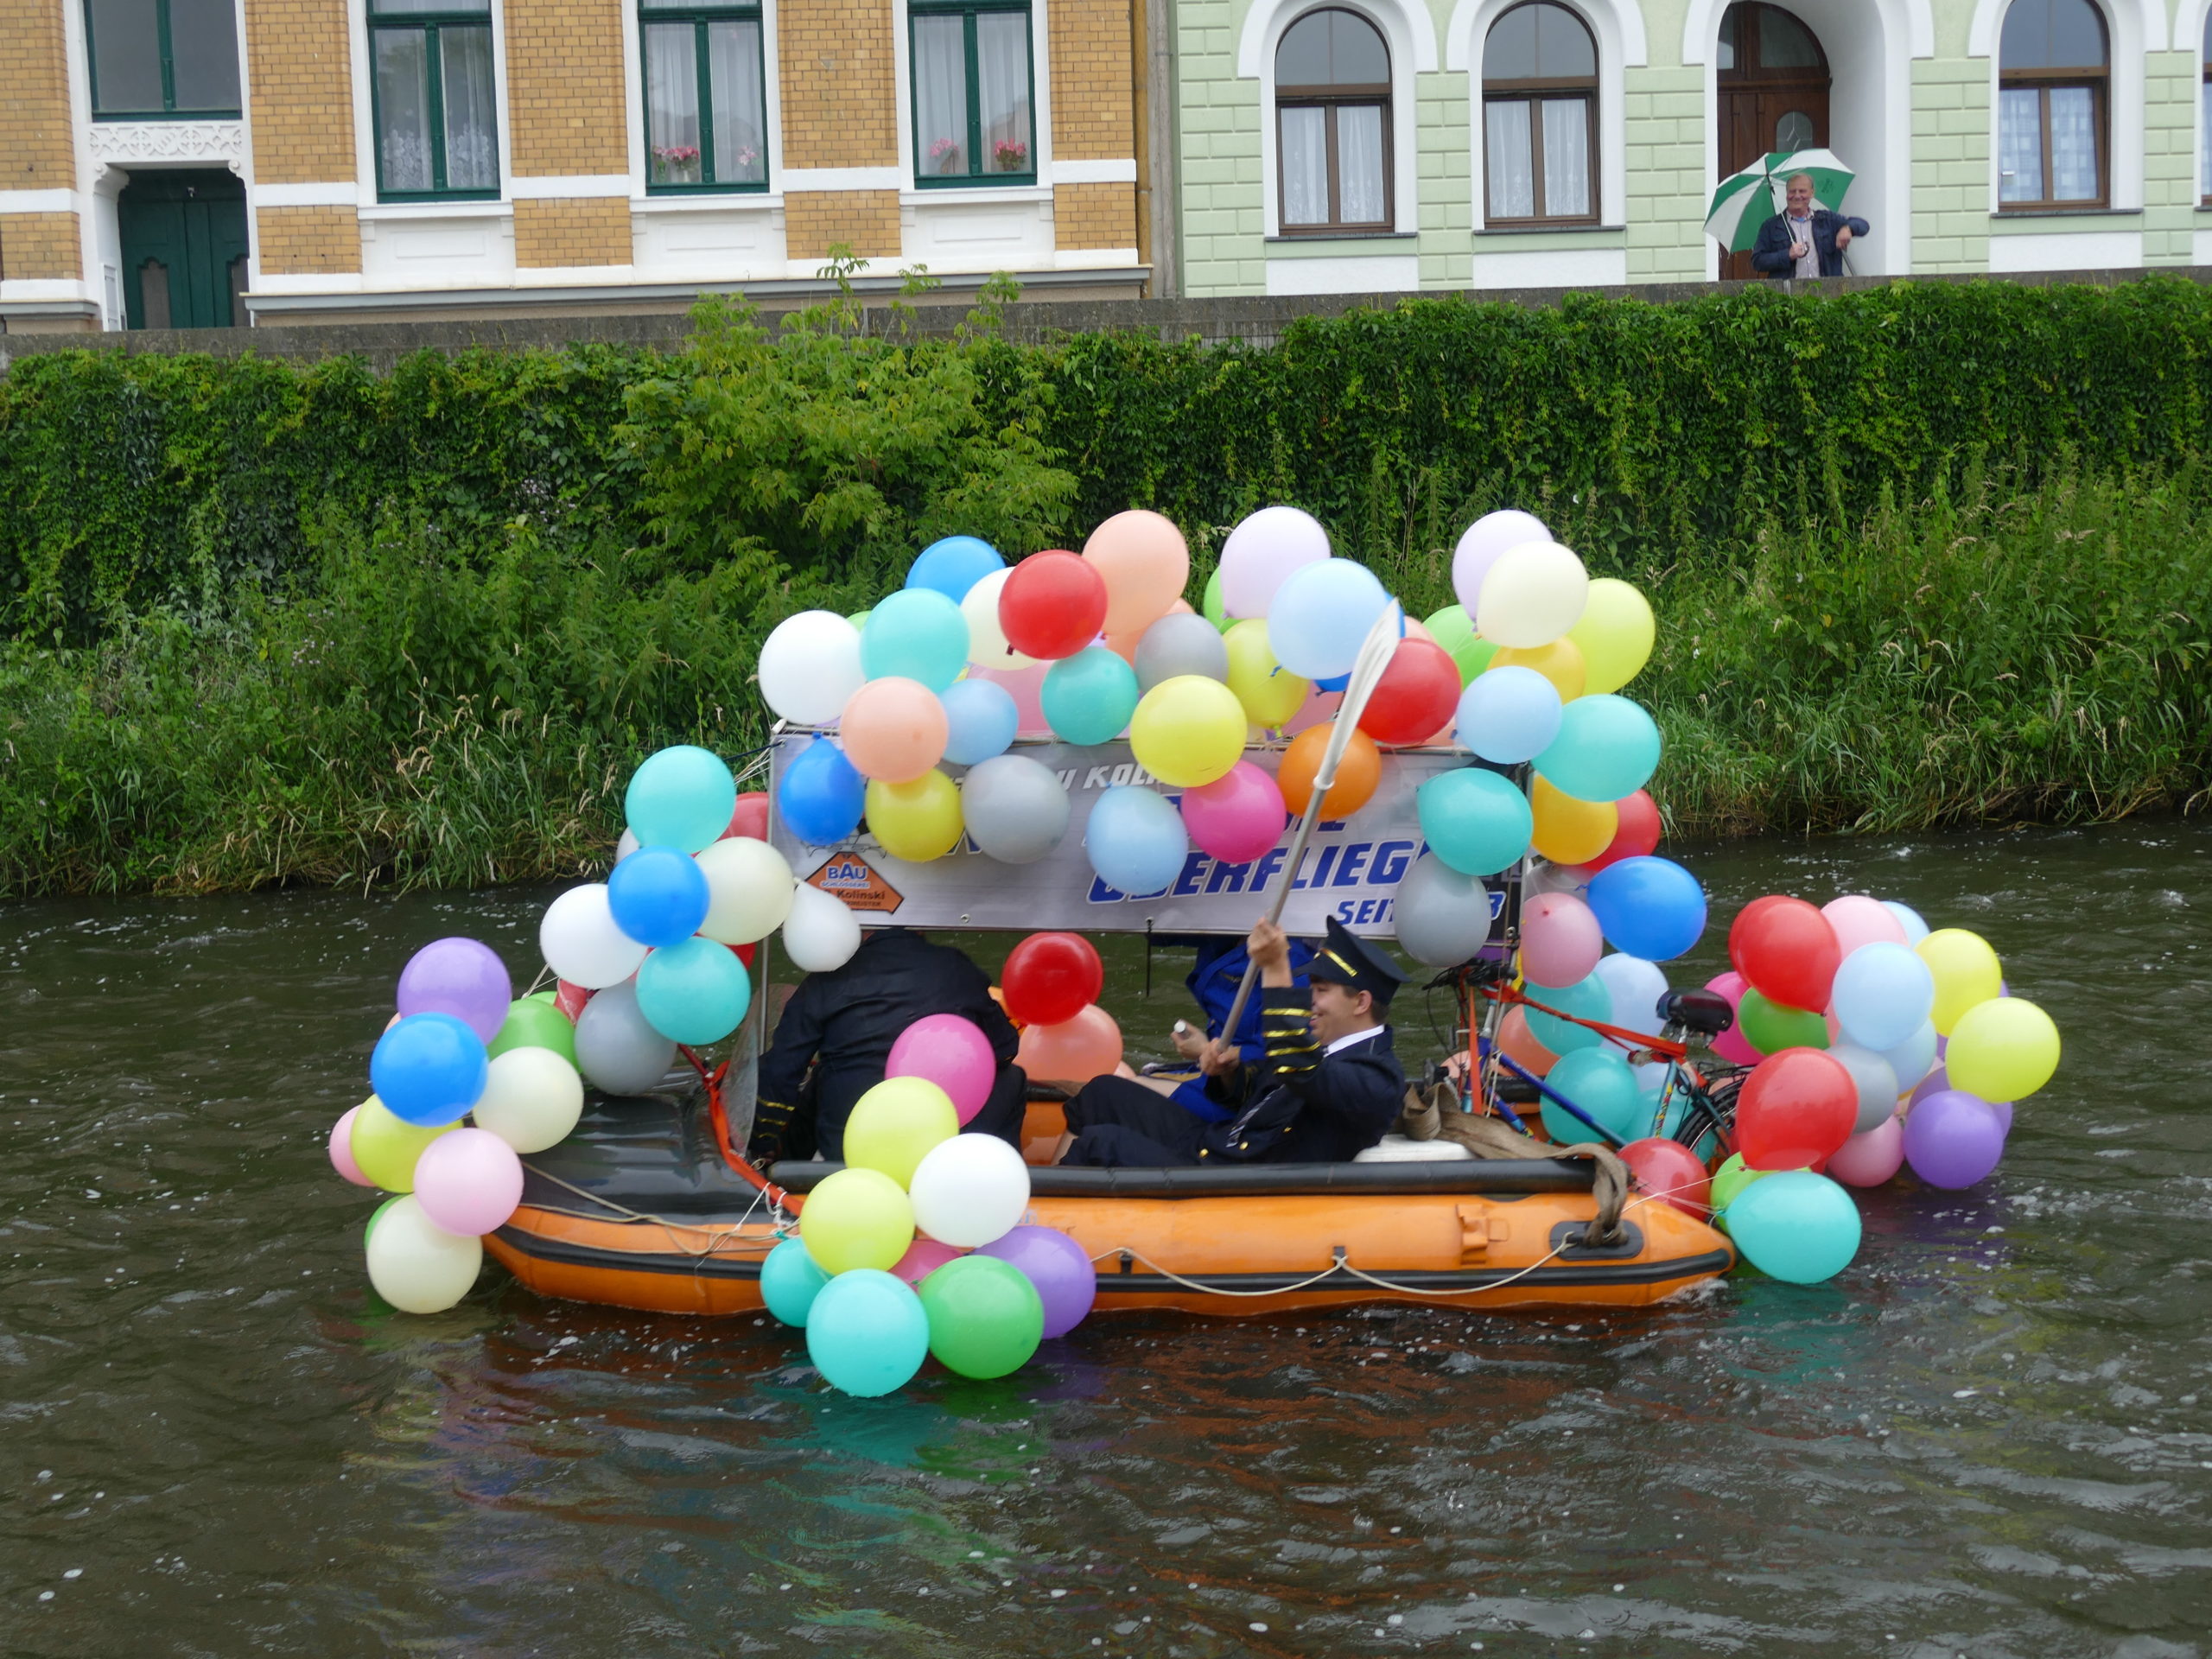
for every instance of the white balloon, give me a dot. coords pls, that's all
(1261, 550)
(627, 845)
(1534, 593)
(532, 1098)
(969, 1191)
(748, 890)
(1544, 876)
(582, 944)
(820, 933)
(1482, 542)
(416, 1265)
(810, 667)
(1878, 1084)
(616, 1047)
(987, 644)
(1635, 987)
(1908, 919)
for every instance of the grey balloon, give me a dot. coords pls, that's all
(1443, 917)
(1180, 645)
(1877, 1081)
(1014, 807)
(616, 1050)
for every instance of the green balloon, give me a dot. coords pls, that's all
(859, 618)
(1731, 1178)
(1456, 633)
(533, 1024)
(986, 1318)
(1211, 606)
(375, 1216)
(547, 997)
(1771, 1026)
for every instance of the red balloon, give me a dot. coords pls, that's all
(570, 999)
(1052, 606)
(1419, 691)
(1638, 835)
(1787, 950)
(1669, 1172)
(1797, 1109)
(751, 817)
(1051, 978)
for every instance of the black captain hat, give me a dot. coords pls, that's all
(1348, 960)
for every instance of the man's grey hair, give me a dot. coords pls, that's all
(1794, 177)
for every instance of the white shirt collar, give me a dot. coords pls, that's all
(1347, 1040)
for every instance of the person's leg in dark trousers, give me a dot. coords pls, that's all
(1107, 1146)
(1115, 1120)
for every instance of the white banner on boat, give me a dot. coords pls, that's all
(1352, 869)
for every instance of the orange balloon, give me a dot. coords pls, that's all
(1074, 1051)
(1568, 831)
(893, 729)
(1561, 662)
(1144, 562)
(1357, 772)
(1521, 1045)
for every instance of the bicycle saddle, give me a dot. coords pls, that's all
(1706, 1012)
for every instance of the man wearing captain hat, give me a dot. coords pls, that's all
(1327, 1086)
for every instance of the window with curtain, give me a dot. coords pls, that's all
(431, 78)
(1333, 126)
(2204, 140)
(163, 57)
(2053, 106)
(706, 102)
(1540, 119)
(970, 60)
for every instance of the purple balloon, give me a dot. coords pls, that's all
(1937, 1082)
(1952, 1139)
(1058, 1265)
(2004, 1110)
(459, 977)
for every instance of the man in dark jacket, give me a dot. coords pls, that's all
(1327, 1087)
(1803, 240)
(841, 1025)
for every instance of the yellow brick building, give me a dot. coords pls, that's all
(218, 162)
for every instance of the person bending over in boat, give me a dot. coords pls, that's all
(1213, 980)
(836, 1035)
(1327, 1087)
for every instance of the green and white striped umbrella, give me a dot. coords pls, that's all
(1743, 202)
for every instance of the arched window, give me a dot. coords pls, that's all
(2052, 106)
(2204, 139)
(1332, 113)
(1540, 119)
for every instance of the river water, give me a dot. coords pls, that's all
(1989, 1437)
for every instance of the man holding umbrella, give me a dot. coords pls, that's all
(1804, 240)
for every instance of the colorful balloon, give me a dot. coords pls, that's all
(857, 1218)
(916, 634)
(1614, 634)
(1636, 986)
(1638, 835)
(981, 720)
(416, 1265)
(748, 890)
(428, 1069)
(532, 1098)
(1566, 829)
(894, 1124)
(1771, 1026)
(1454, 630)
(1188, 731)
(820, 797)
(682, 797)
(1559, 662)
(924, 1257)
(987, 642)
(1882, 993)
(1415, 697)
(617, 1049)
(1965, 971)
(1606, 747)
(1599, 1082)
(459, 977)
(1135, 840)
(1669, 1172)
(1859, 921)
(694, 992)
(1475, 821)
(1795, 1226)
(954, 564)
(1787, 950)
(970, 1189)
(985, 1317)
(1056, 1266)
(918, 821)
(821, 933)
(1090, 696)
(2003, 1049)
(1482, 544)
(893, 729)
(468, 1182)
(341, 1148)
(1269, 693)
(1359, 769)
(657, 896)
(1086, 1045)
(1442, 917)
(1519, 1044)
(1321, 615)
(580, 943)
(384, 1149)
(866, 1332)
(1141, 558)
(1795, 1108)
(1260, 554)
(1952, 1139)
(1050, 977)
(1237, 817)
(1560, 941)
(1177, 644)
(532, 1023)
(1877, 1083)
(810, 665)
(1054, 603)
(1871, 1156)
(790, 1282)
(1650, 907)
(950, 1053)
(1532, 596)
(1508, 715)
(1016, 809)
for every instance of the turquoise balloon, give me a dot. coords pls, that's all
(1598, 1081)
(695, 991)
(1607, 747)
(1589, 998)
(1796, 1226)
(1475, 821)
(790, 1282)
(867, 1332)
(1089, 697)
(682, 797)
(916, 632)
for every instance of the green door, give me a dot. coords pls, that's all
(183, 250)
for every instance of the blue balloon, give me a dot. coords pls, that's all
(1508, 715)
(1334, 683)
(980, 721)
(1911, 1059)
(1603, 1084)
(1883, 994)
(1089, 697)
(821, 796)
(916, 632)
(1136, 840)
(1321, 616)
(1648, 907)
(657, 896)
(867, 1332)
(954, 565)
(1794, 1226)
(1589, 998)
(1607, 747)
(428, 1069)
(695, 991)
(790, 1282)
(682, 797)
(1477, 821)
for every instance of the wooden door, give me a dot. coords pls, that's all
(184, 250)
(1773, 86)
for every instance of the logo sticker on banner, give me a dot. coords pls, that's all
(850, 877)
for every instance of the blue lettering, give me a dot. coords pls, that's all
(1194, 867)
(1365, 913)
(1320, 876)
(1270, 863)
(1228, 878)
(1354, 861)
(1391, 858)
(1101, 895)
(1344, 912)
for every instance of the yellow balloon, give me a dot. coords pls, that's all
(856, 1219)
(1561, 662)
(1568, 831)
(2003, 1049)
(916, 821)
(1965, 973)
(1188, 731)
(1271, 693)
(894, 1123)
(386, 1147)
(1614, 635)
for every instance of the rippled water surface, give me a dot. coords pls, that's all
(1989, 1437)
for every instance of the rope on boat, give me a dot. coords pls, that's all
(723, 1236)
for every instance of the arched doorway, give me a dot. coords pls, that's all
(184, 248)
(1772, 81)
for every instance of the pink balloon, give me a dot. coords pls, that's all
(1859, 921)
(924, 1257)
(1025, 686)
(1238, 816)
(1870, 1159)
(341, 1150)
(950, 1052)
(1730, 1044)
(469, 1181)
(892, 728)
(1074, 1050)
(1560, 940)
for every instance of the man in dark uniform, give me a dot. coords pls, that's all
(1327, 1087)
(842, 1024)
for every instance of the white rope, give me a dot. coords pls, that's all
(731, 1233)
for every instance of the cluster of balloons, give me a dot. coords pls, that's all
(1051, 986)
(916, 1248)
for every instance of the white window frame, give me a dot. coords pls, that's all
(633, 116)
(1617, 26)
(2131, 28)
(1040, 116)
(365, 134)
